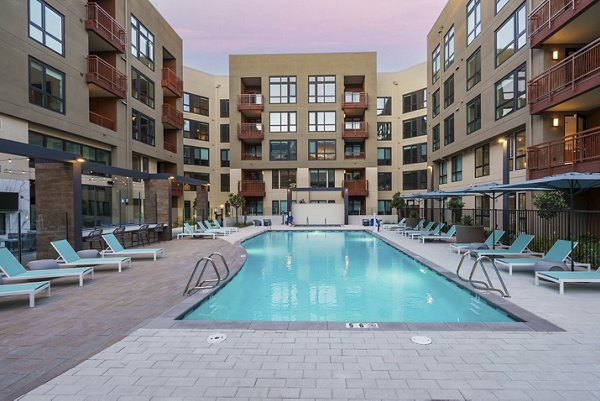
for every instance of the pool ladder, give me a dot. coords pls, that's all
(209, 283)
(482, 285)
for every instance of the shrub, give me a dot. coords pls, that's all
(466, 220)
(587, 250)
(550, 204)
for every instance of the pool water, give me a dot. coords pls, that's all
(339, 276)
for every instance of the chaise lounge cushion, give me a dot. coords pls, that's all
(477, 245)
(550, 265)
(88, 253)
(42, 264)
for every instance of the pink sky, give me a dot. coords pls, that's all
(212, 30)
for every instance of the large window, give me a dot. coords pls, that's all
(47, 26)
(443, 172)
(198, 176)
(511, 36)
(449, 47)
(511, 92)
(195, 104)
(482, 160)
(384, 131)
(435, 103)
(414, 180)
(353, 150)
(321, 121)
(449, 91)
(482, 211)
(435, 138)
(474, 115)
(384, 207)
(142, 127)
(224, 133)
(456, 162)
(225, 186)
(500, 5)
(435, 64)
(414, 153)
(414, 101)
(142, 88)
(46, 86)
(283, 179)
(142, 43)
(474, 69)
(473, 20)
(282, 90)
(384, 156)
(384, 181)
(89, 153)
(384, 106)
(322, 178)
(140, 163)
(224, 108)
(225, 158)
(414, 127)
(520, 151)
(195, 130)
(449, 130)
(282, 150)
(321, 149)
(254, 207)
(321, 89)
(283, 121)
(196, 156)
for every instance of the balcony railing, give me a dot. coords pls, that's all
(171, 116)
(251, 188)
(356, 130)
(573, 76)
(550, 16)
(171, 147)
(105, 26)
(357, 187)
(106, 76)
(102, 121)
(354, 156)
(251, 156)
(250, 131)
(355, 100)
(579, 152)
(172, 82)
(252, 101)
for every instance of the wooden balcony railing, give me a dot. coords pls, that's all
(251, 156)
(251, 188)
(250, 131)
(101, 22)
(170, 147)
(354, 156)
(355, 100)
(172, 117)
(171, 82)
(573, 76)
(357, 187)
(253, 101)
(102, 121)
(355, 130)
(100, 73)
(550, 16)
(579, 152)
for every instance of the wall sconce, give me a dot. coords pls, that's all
(555, 122)
(555, 55)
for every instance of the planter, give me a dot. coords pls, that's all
(469, 234)
(412, 221)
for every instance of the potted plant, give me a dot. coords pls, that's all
(398, 203)
(455, 205)
(466, 232)
(412, 219)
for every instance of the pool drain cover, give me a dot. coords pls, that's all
(362, 326)
(216, 338)
(421, 340)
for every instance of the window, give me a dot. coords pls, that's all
(321, 89)
(474, 115)
(195, 104)
(225, 186)
(89, 153)
(282, 150)
(449, 91)
(449, 47)
(384, 181)
(224, 108)
(511, 93)
(195, 130)
(443, 172)
(254, 207)
(224, 157)
(384, 207)
(511, 36)
(283, 121)
(321, 150)
(140, 163)
(279, 207)
(456, 162)
(142, 127)
(414, 127)
(473, 20)
(482, 160)
(282, 90)
(252, 152)
(142, 88)
(46, 25)
(355, 207)
(384, 106)
(196, 156)
(384, 131)
(46, 86)
(197, 176)
(353, 150)
(321, 121)
(384, 156)
(435, 103)
(322, 178)
(414, 153)
(283, 179)
(474, 69)
(500, 5)
(520, 151)
(224, 133)
(482, 211)
(449, 130)
(435, 64)
(414, 101)
(142, 43)
(414, 180)
(435, 138)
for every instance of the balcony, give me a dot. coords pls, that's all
(579, 152)
(251, 104)
(355, 103)
(355, 131)
(251, 156)
(356, 187)
(102, 24)
(573, 76)
(553, 15)
(251, 188)
(102, 121)
(354, 156)
(171, 117)
(170, 82)
(250, 132)
(106, 78)
(170, 147)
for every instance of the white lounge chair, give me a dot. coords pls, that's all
(69, 258)
(559, 252)
(490, 242)
(115, 248)
(435, 231)
(400, 224)
(517, 249)
(31, 289)
(568, 277)
(219, 227)
(215, 231)
(411, 231)
(188, 231)
(440, 237)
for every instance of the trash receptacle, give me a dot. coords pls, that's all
(365, 222)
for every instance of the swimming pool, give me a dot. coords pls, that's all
(339, 276)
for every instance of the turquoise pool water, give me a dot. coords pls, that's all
(339, 276)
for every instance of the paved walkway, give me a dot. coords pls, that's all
(179, 364)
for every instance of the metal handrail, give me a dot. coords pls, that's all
(462, 259)
(482, 285)
(220, 255)
(201, 284)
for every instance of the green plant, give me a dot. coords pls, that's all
(398, 203)
(466, 220)
(414, 214)
(550, 204)
(540, 243)
(236, 201)
(588, 249)
(455, 204)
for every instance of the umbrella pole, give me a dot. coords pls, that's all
(494, 224)
(570, 225)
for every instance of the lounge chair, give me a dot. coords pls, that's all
(400, 224)
(218, 226)
(426, 228)
(517, 248)
(210, 228)
(417, 227)
(559, 252)
(215, 231)
(188, 231)
(69, 258)
(440, 237)
(567, 277)
(7, 290)
(490, 242)
(14, 271)
(115, 248)
(435, 231)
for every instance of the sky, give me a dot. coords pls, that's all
(214, 29)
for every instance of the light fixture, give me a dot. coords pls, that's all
(80, 159)
(555, 55)
(501, 140)
(171, 178)
(555, 122)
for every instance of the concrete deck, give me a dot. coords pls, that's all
(145, 363)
